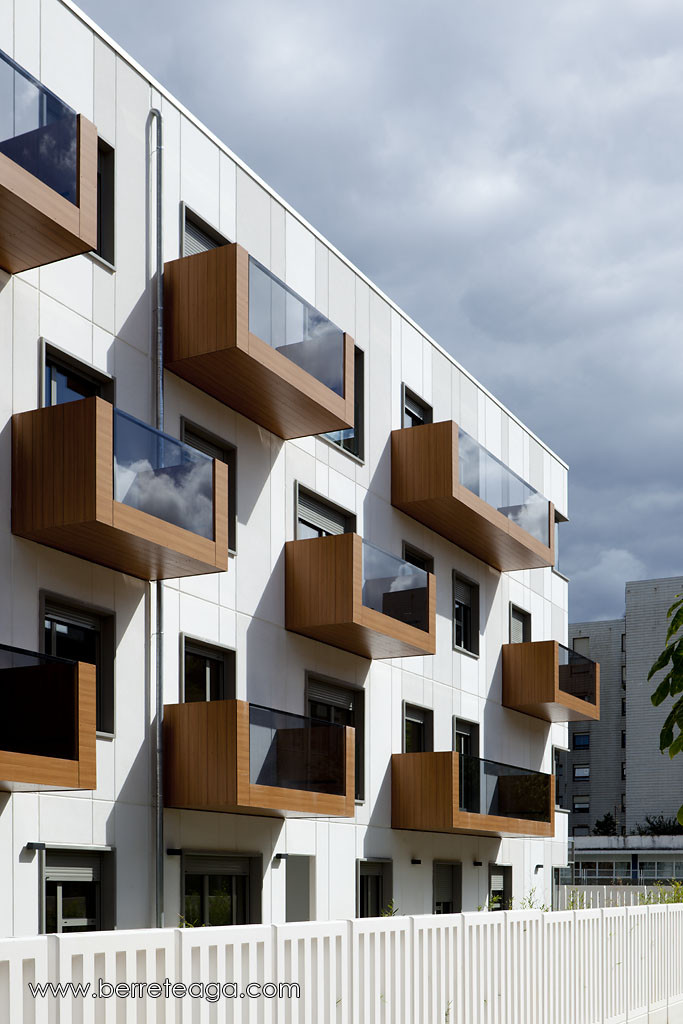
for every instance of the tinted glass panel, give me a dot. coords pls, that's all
(162, 476)
(487, 787)
(295, 752)
(395, 587)
(37, 130)
(39, 704)
(577, 674)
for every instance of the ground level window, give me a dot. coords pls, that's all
(373, 887)
(500, 887)
(78, 891)
(447, 883)
(220, 890)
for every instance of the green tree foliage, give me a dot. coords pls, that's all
(671, 685)
(605, 826)
(658, 825)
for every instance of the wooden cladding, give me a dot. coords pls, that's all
(63, 496)
(20, 770)
(37, 224)
(425, 485)
(324, 601)
(425, 796)
(208, 343)
(535, 683)
(207, 765)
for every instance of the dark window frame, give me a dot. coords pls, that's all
(56, 605)
(51, 355)
(415, 556)
(106, 203)
(359, 722)
(385, 871)
(219, 652)
(226, 452)
(348, 516)
(407, 394)
(427, 716)
(473, 648)
(526, 622)
(254, 879)
(456, 869)
(472, 732)
(187, 213)
(582, 798)
(354, 445)
(581, 746)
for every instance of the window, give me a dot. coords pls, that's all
(520, 626)
(353, 439)
(415, 411)
(623, 641)
(581, 645)
(417, 558)
(558, 522)
(581, 805)
(197, 235)
(105, 202)
(66, 379)
(331, 702)
(623, 802)
(466, 737)
(224, 452)
(623, 739)
(580, 830)
(623, 769)
(447, 888)
(582, 771)
(316, 517)
(221, 890)
(373, 887)
(418, 729)
(77, 633)
(623, 677)
(623, 706)
(581, 740)
(78, 889)
(500, 887)
(208, 672)
(465, 614)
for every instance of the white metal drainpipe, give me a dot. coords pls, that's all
(155, 115)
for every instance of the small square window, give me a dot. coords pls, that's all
(582, 771)
(581, 740)
(465, 614)
(67, 379)
(318, 517)
(581, 805)
(417, 558)
(418, 729)
(208, 672)
(520, 625)
(415, 410)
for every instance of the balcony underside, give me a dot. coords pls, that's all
(208, 343)
(62, 496)
(533, 683)
(424, 485)
(425, 798)
(207, 766)
(37, 225)
(34, 718)
(323, 601)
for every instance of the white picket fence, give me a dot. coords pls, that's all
(587, 897)
(600, 966)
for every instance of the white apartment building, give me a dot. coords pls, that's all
(272, 571)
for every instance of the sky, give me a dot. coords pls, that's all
(509, 174)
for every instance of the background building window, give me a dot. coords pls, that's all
(418, 729)
(623, 706)
(342, 705)
(317, 517)
(208, 672)
(623, 739)
(465, 614)
(623, 769)
(417, 558)
(520, 625)
(581, 740)
(373, 887)
(581, 805)
(224, 452)
(105, 202)
(352, 440)
(582, 771)
(581, 645)
(70, 631)
(415, 410)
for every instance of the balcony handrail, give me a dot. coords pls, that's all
(38, 655)
(503, 764)
(575, 655)
(293, 714)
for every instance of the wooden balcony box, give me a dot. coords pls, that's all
(48, 175)
(229, 755)
(443, 478)
(349, 594)
(448, 792)
(239, 334)
(47, 725)
(549, 681)
(94, 482)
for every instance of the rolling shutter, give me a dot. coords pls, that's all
(463, 592)
(195, 240)
(72, 867)
(321, 515)
(335, 696)
(443, 883)
(518, 623)
(206, 864)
